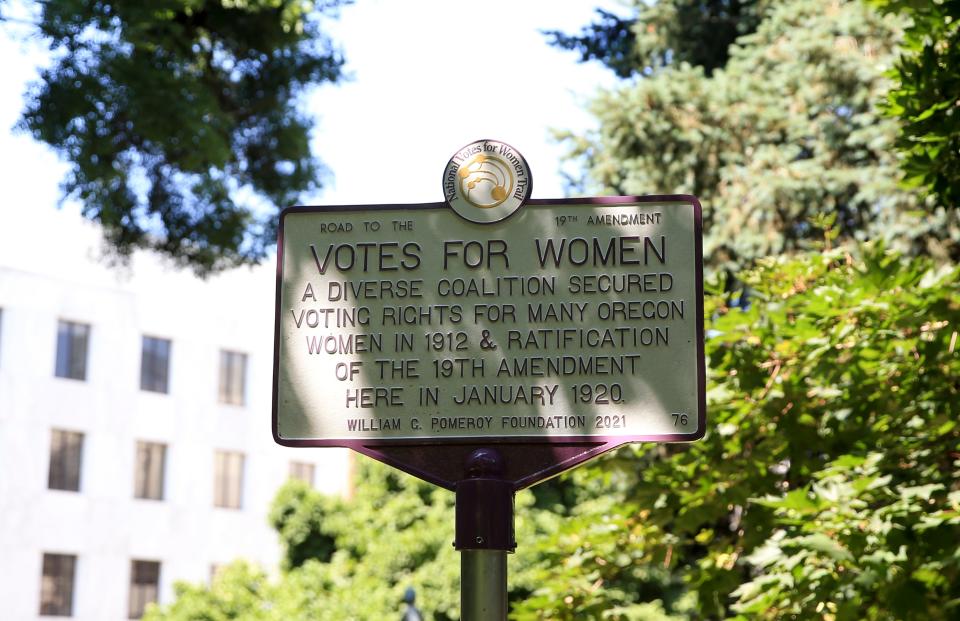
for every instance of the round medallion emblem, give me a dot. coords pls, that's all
(486, 181)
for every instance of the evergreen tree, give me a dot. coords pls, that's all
(698, 32)
(786, 132)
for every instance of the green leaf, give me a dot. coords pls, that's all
(923, 492)
(818, 542)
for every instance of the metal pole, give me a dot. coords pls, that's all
(483, 585)
(484, 536)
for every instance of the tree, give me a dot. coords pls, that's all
(354, 559)
(181, 118)
(299, 516)
(698, 32)
(926, 97)
(828, 486)
(343, 559)
(237, 591)
(787, 130)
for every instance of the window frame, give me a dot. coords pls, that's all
(154, 369)
(232, 383)
(228, 475)
(299, 468)
(143, 592)
(57, 584)
(144, 485)
(63, 455)
(73, 348)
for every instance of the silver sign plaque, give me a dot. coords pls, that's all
(562, 320)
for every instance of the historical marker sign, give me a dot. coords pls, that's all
(499, 320)
(572, 318)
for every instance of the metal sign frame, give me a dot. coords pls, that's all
(527, 460)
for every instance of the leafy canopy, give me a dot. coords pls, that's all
(828, 485)
(181, 119)
(342, 559)
(926, 96)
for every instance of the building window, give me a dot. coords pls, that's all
(56, 585)
(148, 477)
(154, 364)
(66, 452)
(233, 370)
(144, 586)
(302, 472)
(72, 350)
(228, 479)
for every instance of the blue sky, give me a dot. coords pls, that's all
(427, 77)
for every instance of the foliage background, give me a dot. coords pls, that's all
(828, 485)
(826, 488)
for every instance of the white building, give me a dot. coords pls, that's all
(135, 443)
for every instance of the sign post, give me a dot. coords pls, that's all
(489, 341)
(484, 536)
